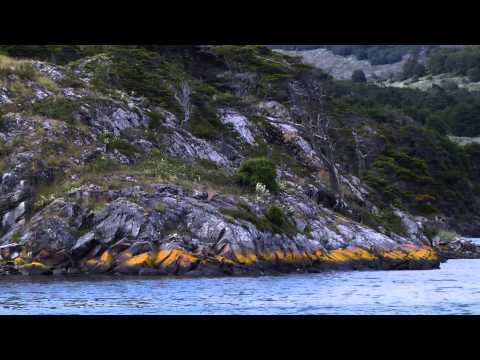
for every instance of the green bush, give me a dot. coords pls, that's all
(260, 223)
(25, 70)
(276, 215)
(258, 170)
(155, 121)
(274, 221)
(135, 69)
(116, 143)
(392, 222)
(446, 236)
(474, 74)
(203, 129)
(58, 108)
(102, 165)
(20, 90)
(358, 76)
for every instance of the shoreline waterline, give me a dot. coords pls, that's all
(453, 289)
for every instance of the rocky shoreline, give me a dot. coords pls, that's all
(98, 180)
(179, 263)
(184, 233)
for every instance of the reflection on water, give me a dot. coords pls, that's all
(454, 289)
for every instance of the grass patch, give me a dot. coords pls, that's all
(58, 108)
(20, 90)
(103, 165)
(21, 68)
(116, 143)
(274, 220)
(48, 84)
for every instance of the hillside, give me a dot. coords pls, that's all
(219, 160)
(342, 67)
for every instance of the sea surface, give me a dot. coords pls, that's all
(453, 289)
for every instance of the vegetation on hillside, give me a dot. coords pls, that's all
(375, 54)
(410, 163)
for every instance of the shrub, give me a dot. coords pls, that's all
(21, 68)
(474, 74)
(430, 232)
(392, 222)
(20, 90)
(449, 85)
(103, 165)
(358, 76)
(260, 223)
(137, 70)
(446, 236)
(116, 143)
(280, 222)
(48, 84)
(25, 70)
(58, 108)
(308, 231)
(203, 129)
(274, 220)
(155, 120)
(16, 237)
(258, 170)
(276, 215)
(205, 122)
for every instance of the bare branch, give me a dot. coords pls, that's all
(310, 107)
(183, 97)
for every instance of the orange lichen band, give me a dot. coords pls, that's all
(144, 259)
(106, 258)
(344, 255)
(34, 265)
(166, 258)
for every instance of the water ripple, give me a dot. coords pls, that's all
(454, 289)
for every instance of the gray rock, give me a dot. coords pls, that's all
(185, 146)
(240, 123)
(121, 218)
(84, 244)
(12, 217)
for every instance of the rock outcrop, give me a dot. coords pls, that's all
(173, 232)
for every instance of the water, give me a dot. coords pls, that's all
(454, 289)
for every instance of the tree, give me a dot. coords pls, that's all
(474, 74)
(438, 121)
(314, 122)
(419, 70)
(358, 76)
(413, 68)
(449, 85)
(183, 96)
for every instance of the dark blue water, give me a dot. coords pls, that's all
(454, 289)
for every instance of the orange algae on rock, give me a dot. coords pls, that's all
(425, 253)
(394, 255)
(19, 261)
(348, 254)
(411, 253)
(106, 258)
(91, 262)
(35, 265)
(245, 259)
(167, 258)
(144, 259)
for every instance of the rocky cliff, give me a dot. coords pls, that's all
(136, 161)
